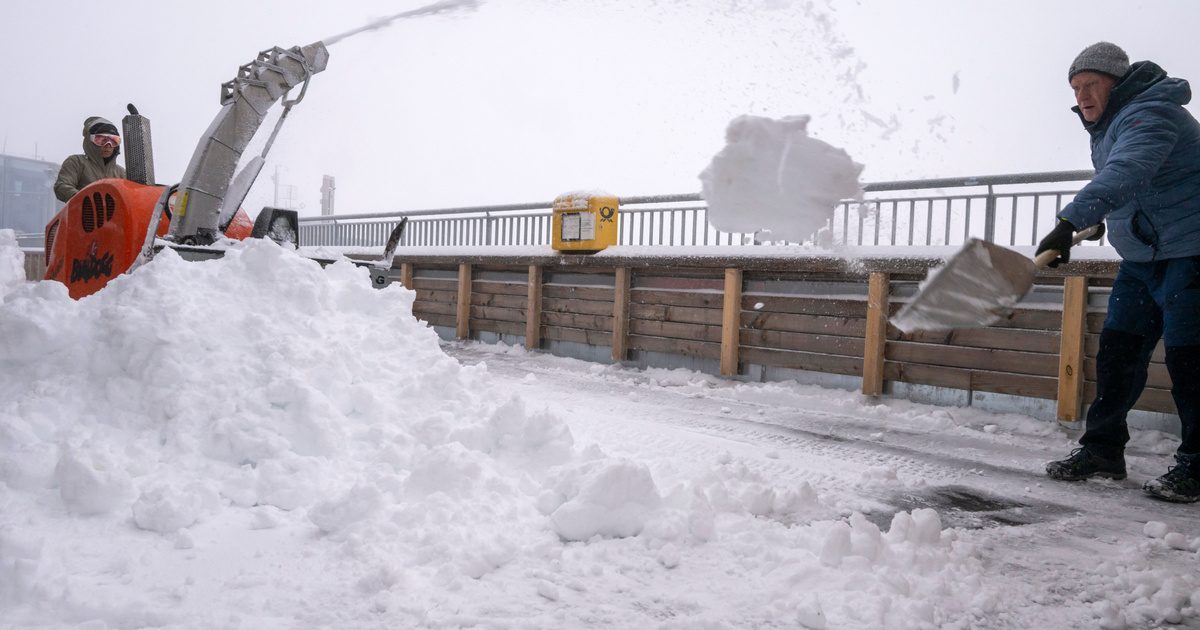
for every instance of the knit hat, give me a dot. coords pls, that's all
(1101, 57)
(104, 127)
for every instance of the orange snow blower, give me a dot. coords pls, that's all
(113, 226)
(99, 233)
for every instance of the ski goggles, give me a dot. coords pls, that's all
(102, 139)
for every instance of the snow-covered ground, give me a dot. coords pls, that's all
(257, 442)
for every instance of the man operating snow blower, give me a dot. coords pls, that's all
(1146, 151)
(101, 146)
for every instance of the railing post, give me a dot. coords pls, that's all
(875, 340)
(620, 328)
(487, 228)
(989, 216)
(731, 322)
(533, 309)
(462, 322)
(1070, 352)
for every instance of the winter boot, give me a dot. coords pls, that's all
(1181, 484)
(1085, 463)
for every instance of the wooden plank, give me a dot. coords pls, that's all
(499, 314)
(576, 292)
(815, 324)
(435, 308)
(406, 275)
(462, 328)
(598, 338)
(698, 299)
(1157, 374)
(972, 380)
(1000, 338)
(533, 311)
(581, 307)
(1152, 399)
(500, 288)
(1026, 319)
(498, 327)
(445, 297)
(805, 305)
(497, 299)
(579, 320)
(824, 344)
(435, 284)
(731, 322)
(446, 321)
(1036, 364)
(1091, 346)
(1070, 354)
(620, 320)
(694, 349)
(674, 330)
(876, 333)
(682, 279)
(811, 361)
(679, 314)
(927, 375)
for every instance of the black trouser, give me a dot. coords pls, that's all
(1150, 300)
(1120, 377)
(1183, 362)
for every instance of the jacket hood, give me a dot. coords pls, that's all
(1145, 80)
(92, 151)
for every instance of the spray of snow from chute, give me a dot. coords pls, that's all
(445, 6)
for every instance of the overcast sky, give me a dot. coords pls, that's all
(524, 99)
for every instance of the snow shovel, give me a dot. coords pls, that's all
(976, 287)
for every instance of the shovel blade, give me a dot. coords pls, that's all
(976, 287)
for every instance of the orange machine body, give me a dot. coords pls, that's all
(100, 232)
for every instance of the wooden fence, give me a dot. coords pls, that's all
(817, 314)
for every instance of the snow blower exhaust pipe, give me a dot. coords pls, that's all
(139, 149)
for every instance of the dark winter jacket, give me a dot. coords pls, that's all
(1146, 151)
(78, 171)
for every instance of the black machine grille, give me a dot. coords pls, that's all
(51, 232)
(110, 205)
(88, 215)
(98, 201)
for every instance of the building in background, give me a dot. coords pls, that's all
(27, 200)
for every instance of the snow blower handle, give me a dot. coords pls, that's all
(1048, 256)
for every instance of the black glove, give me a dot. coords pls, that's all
(1059, 239)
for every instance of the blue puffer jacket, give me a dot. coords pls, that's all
(1146, 151)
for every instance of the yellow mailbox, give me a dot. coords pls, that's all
(584, 222)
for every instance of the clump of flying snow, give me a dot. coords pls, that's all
(775, 180)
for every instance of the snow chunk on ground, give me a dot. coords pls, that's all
(12, 262)
(603, 498)
(772, 178)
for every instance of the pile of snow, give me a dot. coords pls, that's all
(258, 441)
(773, 179)
(12, 263)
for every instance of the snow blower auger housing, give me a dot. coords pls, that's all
(113, 225)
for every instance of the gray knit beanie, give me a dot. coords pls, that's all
(1100, 57)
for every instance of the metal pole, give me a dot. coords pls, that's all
(989, 216)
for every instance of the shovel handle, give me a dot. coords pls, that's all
(1048, 256)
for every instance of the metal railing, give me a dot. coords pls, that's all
(1006, 209)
